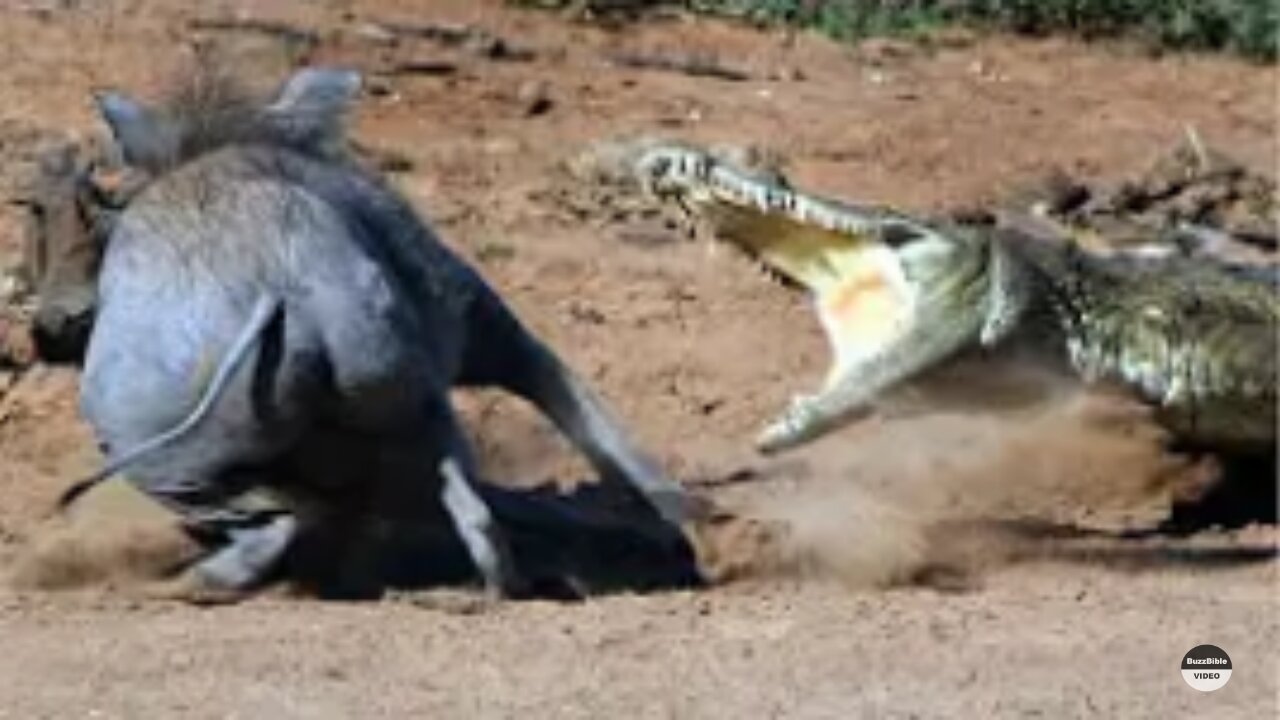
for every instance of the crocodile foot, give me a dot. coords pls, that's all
(806, 418)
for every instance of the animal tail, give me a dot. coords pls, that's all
(266, 310)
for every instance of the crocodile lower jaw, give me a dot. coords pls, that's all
(864, 305)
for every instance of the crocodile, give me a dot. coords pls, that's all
(898, 295)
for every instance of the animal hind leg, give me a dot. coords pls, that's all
(506, 354)
(251, 555)
(479, 532)
(248, 540)
(454, 466)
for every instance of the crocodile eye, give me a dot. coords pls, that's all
(897, 236)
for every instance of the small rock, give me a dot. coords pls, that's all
(492, 47)
(380, 87)
(486, 45)
(535, 98)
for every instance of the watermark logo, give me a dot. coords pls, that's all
(1206, 667)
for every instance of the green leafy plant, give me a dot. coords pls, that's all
(1247, 27)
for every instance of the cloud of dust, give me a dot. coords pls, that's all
(937, 487)
(847, 534)
(113, 536)
(945, 490)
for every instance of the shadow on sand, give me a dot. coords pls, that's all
(967, 548)
(568, 545)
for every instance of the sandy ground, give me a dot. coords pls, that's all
(1039, 617)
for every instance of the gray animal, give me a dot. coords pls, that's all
(266, 308)
(62, 202)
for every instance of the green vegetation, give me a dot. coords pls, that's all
(840, 19)
(1250, 28)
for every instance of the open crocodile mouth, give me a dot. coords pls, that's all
(858, 285)
(857, 263)
(844, 256)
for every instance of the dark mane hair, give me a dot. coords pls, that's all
(207, 108)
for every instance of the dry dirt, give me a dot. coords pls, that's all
(944, 559)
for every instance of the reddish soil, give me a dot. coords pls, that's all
(947, 558)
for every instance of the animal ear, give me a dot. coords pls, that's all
(317, 98)
(138, 132)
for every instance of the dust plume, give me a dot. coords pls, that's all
(113, 536)
(937, 495)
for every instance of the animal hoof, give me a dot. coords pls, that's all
(194, 588)
(250, 557)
